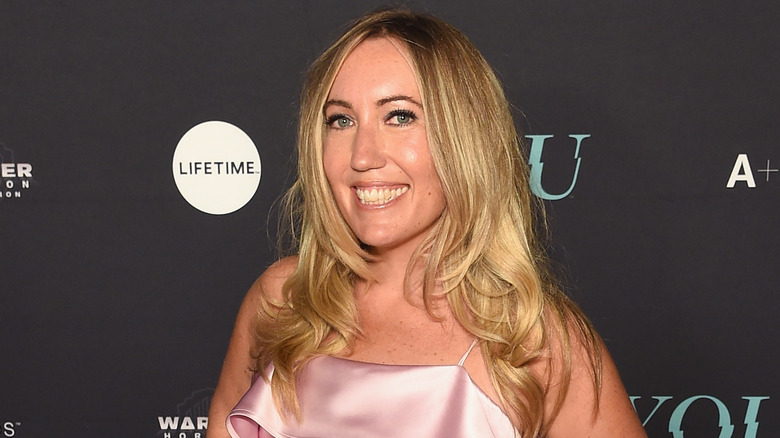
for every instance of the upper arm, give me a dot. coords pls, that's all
(614, 416)
(236, 375)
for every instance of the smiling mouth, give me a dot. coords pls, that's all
(379, 196)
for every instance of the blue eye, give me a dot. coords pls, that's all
(401, 117)
(338, 121)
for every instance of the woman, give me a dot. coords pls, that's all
(418, 303)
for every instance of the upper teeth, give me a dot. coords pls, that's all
(375, 196)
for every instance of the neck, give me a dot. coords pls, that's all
(389, 273)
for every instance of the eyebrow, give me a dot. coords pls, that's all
(337, 102)
(398, 97)
(380, 102)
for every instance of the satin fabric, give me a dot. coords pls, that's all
(344, 398)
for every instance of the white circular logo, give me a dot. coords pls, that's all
(216, 167)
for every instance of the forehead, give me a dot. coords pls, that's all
(378, 64)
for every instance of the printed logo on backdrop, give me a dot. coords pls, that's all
(674, 412)
(191, 419)
(15, 176)
(743, 172)
(216, 167)
(10, 428)
(537, 166)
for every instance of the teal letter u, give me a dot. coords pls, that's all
(535, 160)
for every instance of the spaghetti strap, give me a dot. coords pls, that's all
(463, 359)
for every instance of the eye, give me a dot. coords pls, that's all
(401, 117)
(338, 121)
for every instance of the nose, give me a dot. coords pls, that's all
(367, 149)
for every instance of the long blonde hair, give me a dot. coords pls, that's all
(483, 253)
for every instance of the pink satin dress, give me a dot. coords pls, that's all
(348, 399)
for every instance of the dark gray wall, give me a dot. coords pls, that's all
(117, 297)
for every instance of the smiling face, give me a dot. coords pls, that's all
(375, 154)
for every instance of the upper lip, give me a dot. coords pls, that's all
(378, 184)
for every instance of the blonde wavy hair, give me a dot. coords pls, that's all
(483, 253)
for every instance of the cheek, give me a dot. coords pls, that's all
(437, 194)
(333, 167)
(330, 164)
(435, 190)
(417, 156)
(411, 155)
(428, 171)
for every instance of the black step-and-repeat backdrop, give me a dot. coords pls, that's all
(144, 145)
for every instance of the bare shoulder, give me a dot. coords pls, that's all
(588, 410)
(237, 369)
(271, 282)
